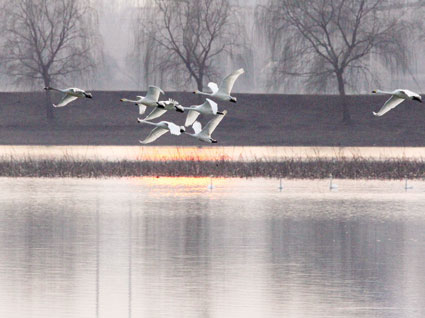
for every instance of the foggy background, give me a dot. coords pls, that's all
(121, 54)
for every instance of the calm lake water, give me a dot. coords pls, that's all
(170, 247)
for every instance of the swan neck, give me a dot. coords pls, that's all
(383, 92)
(55, 89)
(129, 100)
(203, 93)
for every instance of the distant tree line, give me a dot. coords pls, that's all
(48, 43)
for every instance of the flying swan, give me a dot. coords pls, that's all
(205, 133)
(207, 108)
(160, 129)
(397, 97)
(71, 94)
(223, 92)
(151, 99)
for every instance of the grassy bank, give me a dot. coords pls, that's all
(292, 169)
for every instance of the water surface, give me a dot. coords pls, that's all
(171, 247)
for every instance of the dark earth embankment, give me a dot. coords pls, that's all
(290, 169)
(257, 119)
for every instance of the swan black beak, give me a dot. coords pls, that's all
(417, 99)
(220, 113)
(214, 141)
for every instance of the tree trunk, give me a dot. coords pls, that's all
(200, 82)
(50, 117)
(346, 117)
(200, 85)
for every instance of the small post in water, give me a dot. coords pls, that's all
(211, 186)
(331, 185)
(406, 187)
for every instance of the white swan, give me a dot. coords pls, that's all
(397, 97)
(160, 129)
(71, 94)
(222, 92)
(205, 133)
(151, 99)
(163, 107)
(207, 108)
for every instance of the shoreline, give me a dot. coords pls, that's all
(208, 153)
(288, 169)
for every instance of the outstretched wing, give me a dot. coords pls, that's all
(393, 102)
(153, 93)
(213, 87)
(174, 129)
(157, 112)
(142, 109)
(197, 127)
(212, 124)
(192, 115)
(227, 84)
(154, 135)
(66, 99)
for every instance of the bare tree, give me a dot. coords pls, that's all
(332, 42)
(183, 38)
(46, 42)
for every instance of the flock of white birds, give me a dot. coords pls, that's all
(209, 107)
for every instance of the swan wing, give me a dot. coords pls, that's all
(192, 115)
(157, 112)
(66, 99)
(153, 93)
(227, 84)
(410, 94)
(212, 124)
(393, 102)
(174, 129)
(154, 135)
(142, 109)
(213, 87)
(197, 127)
(209, 107)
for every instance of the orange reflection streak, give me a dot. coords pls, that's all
(180, 186)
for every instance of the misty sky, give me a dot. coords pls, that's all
(115, 24)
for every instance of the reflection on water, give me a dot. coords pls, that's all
(170, 247)
(164, 153)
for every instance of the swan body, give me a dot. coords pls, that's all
(204, 134)
(163, 107)
(150, 100)
(70, 94)
(160, 129)
(207, 108)
(222, 92)
(397, 97)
